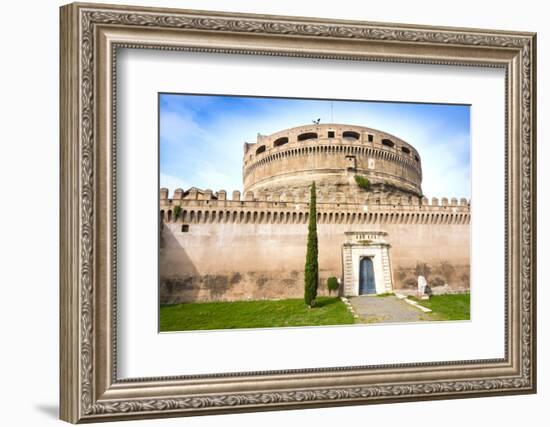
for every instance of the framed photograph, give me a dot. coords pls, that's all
(268, 212)
(366, 229)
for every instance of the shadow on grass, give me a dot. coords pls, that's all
(326, 301)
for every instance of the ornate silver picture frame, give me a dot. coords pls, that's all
(91, 36)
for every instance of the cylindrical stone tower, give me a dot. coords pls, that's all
(332, 155)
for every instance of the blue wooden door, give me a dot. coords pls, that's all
(366, 277)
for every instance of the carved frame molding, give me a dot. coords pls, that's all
(90, 37)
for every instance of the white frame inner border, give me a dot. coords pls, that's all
(143, 352)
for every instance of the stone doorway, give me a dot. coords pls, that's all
(363, 251)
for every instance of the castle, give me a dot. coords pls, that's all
(376, 229)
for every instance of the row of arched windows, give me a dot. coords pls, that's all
(348, 134)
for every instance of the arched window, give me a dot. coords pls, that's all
(388, 143)
(280, 141)
(307, 135)
(405, 150)
(351, 134)
(260, 149)
(416, 158)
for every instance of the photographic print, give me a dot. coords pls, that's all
(283, 212)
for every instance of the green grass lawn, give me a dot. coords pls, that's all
(253, 314)
(448, 307)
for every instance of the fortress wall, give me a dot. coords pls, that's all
(287, 208)
(260, 259)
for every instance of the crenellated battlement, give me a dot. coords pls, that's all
(256, 199)
(203, 206)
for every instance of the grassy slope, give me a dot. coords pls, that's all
(253, 314)
(449, 307)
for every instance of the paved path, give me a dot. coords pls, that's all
(388, 309)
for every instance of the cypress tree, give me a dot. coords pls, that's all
(312, 262)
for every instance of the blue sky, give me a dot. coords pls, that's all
(201, 137)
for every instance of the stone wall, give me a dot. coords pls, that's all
(215, 259)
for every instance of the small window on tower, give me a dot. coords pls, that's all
(261, 149)
(351, 134)
(281, 141)
(371, 138)
(307, 135)
(370, 163)
(388, 143)
(185, 228)
(331, 134)
(351, 163)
